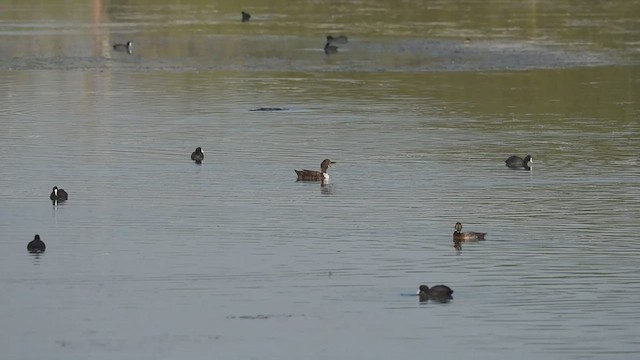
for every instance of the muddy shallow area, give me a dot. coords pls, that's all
(359, 55)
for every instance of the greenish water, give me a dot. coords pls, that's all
(156, 257)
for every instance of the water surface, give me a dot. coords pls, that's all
(154, 256)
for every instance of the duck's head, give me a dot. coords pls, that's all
(55, 190)
(423, 288)
(37, 237)
(198, 149)
(528, 160)
(324, 165)
(458, 227)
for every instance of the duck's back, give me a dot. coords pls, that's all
(36, 245)
(62, 195)
(440, 290)
(515, 162)
(467, 236)
(309, 174)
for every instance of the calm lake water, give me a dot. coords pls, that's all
(155, 257)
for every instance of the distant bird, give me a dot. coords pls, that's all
(330, 49)
(246, 16)
(197, 155)
(440, 293)
(58, 194)
(312, 175)
(516, 162)
(466, 236)
(123, 47)
(269, 109)
(340, 40)
(36, 245)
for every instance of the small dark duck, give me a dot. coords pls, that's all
(58, 194)
(197, 155)
(123, 47)
(439, 293)
(458, 235)
(246, 16)
(518, 163)
(340, 40)
(36, 245)
(330, 49)
(312, 175)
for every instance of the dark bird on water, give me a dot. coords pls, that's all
(518, 163)
(36, 245)
(58, 194)
(246, 16)
(340, 40)
(313, 175)
(123, 47)
(197, 155)
(458, 235)
(440, 293)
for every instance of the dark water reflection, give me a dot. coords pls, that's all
(154, 256)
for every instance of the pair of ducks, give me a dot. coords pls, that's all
(330, 47)
(36, 245)
(303, 175)
(442, 293)
(439, 293)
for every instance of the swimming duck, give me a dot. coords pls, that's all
(123, 47)
(312, 175)
(340, 40)
(441, 293)
(330, 49)
(516, 162)
(466, 236)
(58, 194)
(36, 245)
(197, 155)
(246, 16)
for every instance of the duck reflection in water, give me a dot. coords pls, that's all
(326, 188)
(457, 244)
(330, 49)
